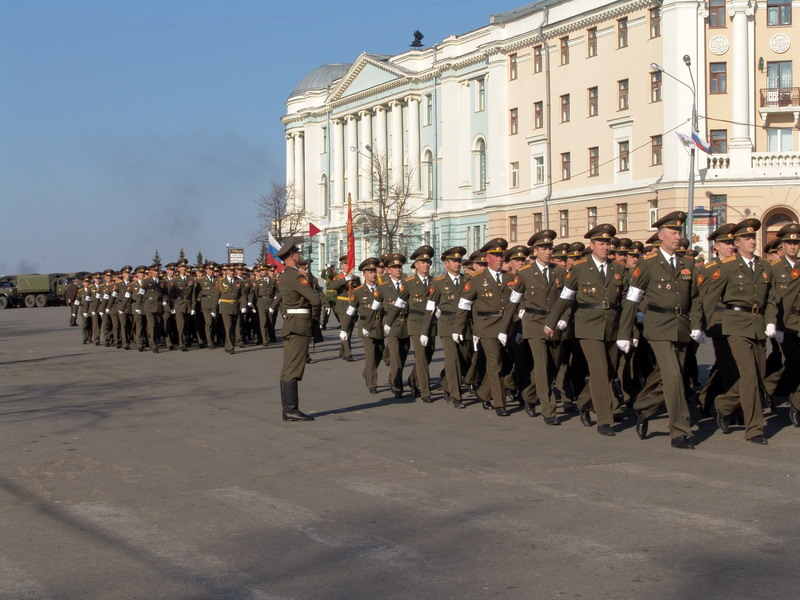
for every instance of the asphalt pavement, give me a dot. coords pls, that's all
(132, 475)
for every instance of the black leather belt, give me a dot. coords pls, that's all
(490, 314)
(536, 311)
(416, 311)
(447, 312)
(755, 309)
(674, 310)
(603, 305)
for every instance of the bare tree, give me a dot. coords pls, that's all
(280, 212)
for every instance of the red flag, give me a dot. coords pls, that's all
(351, 238)
(312, 229)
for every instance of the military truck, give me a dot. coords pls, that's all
(8, 292)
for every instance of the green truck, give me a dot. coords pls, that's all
(34, 290)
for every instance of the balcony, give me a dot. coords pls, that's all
(779, 101)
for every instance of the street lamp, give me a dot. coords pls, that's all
(688, 62)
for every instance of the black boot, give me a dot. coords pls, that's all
(290, 402)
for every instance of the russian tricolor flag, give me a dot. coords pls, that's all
(700, 142)
(272, 252)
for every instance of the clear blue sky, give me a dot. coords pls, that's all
(127, 127)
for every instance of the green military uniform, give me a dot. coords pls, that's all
(206, 293)
(168, 317)
(392, 295)
(227, 292)
(418, 289)
(154, 299)
(264, 289)
(84, 299)
(137, 302)
(183, 295)
(125, 307)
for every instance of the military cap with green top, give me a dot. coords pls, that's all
(454, 253)
(369, 264)
(747, 227)
(576, 249)
(290, 245)
(546, 237)
(673, 220)
(604, 231)
(790, 232)
(495, 246)
(395, 260)
(723, 233)
(517, 253)
(423, 253)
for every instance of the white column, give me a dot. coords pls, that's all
(396, 154)
(338, 162)
(365, 156)
(352, 157)
(740, 145)
(413, 143)
(289, 160)
(381, 150)
(300, 170)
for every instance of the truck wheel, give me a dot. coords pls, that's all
(3, 302)
(30, 301)
(41, 300)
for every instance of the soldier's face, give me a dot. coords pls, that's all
(396, 272)
(631, 260)
(599, 249)
(621, 259)
(210, 272)
(544, 254)
(422, 267)
(370, 276)
(725, 249)
(452, 266)
(478, 268)
(791, 248)
(670, 239)
(746, 244)
(515, 264)
(494, 261)
(182, 270)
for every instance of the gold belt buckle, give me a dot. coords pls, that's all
(755, 309)
(605, 305)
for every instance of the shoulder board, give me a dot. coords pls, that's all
(410, 278)
(526, 267)
(710, 264)
(729, 259)
(361, 287)
(440, 278)
(776, 261)
(651, 255)
(579, 262)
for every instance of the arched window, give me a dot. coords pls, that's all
(427, 166)
(480, 166)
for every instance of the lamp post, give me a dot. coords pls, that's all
(688, 62)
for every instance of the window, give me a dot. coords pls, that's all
(624, 150)
(564, 50)
(515, 174)
(652, 211)
(656, 150)
(593, 98)
(565, 108)
(428, 119)
(655, 22)
(537, 222)
(427, 163)
(594, 161)
(591, 217)
(622, 33)
(538, 167)
(565, 168)
(655, 86)
(512, 228)
(716, 14)
(719, 141)
(622, 217)
(323, 135)
(719, 206)
(779, 12)
(623, 94)
(779, 75)
(514, 121)
(718, 80)
(480, 95)
(563, 223)
(779, 139)
(591, 42)
(512, 66)
(480, 152)
(537, 59)
(538, 115)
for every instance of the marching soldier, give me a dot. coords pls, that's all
(97, 320)
(341, 285)
(743, 284)
(484, 297)
(361, 313)
(70, 294)
(125, 306)
(299, 302)
(537, 290)
(154, 300)
(516, 356)
(395, 314)
(443, 301)
(596, 285)
(169, 318)
(264, 294)
(84, 299)
(183, 295)
(227, 292)
(477, 359)
(206, 293)
(665, 281)
(418, 286)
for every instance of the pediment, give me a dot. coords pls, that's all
(366, 73)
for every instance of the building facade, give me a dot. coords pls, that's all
(560, 114)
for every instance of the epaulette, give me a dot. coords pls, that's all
(651, 255)
(440, 278)
(410, 278)
(579, 262)
(358, 288)
(776, 261)
(710, 264)
(729, 259)
(526, 267)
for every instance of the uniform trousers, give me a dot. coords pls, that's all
(545, 355)
(139, 328)
(116, 336)
(600, 361)
(170, 328)
(668, 376)
(420, 377)
(722, 375)
(492, 386)
(295, 353)
(125, 322)
(97, 326)
(456, 362)
(373, 350)
(790, 382)
(155, 328)
(211, 325)
(748, 354)
(398, 353)
(182, 324)
(73, 314)
(86, 328)
(229, 321)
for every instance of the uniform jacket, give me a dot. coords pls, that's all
(182, 293)
(787, 286)
(206, 293)
(155, 293)
(360, 308)
(227, 294)
(418, 292)
(443, 300)
(394, 316)
(539, 295)
(488, 300)
(296, 293)
(264, 290)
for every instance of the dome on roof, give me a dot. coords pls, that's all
(321, 77)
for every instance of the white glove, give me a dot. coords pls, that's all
(770, 331)
(521, 313)
(172, 311)
(779, 337)
(343, 336)
(475, 340)
(97, 295)
(108, 311)
(272, 311)
(457, 337)
(698, 336)
(250, 304)
(562, 325)
(214, 315)
(386, 329)
(93, 313)
(85, 315)
(254, 311)
(77, 303)
(138, 311)
(639, 317)
(423, 339)
(624, 345)
(244, 310)
(635, 342)
(438, 313)
(165, 303)
(349, 276)
(192, 313)
(141, 291)
(120, 312)
(503, 338)
(105, 297)
(518, 339)
(365, 333)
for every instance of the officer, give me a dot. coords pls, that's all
(264, 293)
(559, 254)
(743, 284)
(183, 295)
(517, 361)
(665, 281)
(227, 292)
(154, 300)
(392, 296)
(537, 290)
(341, 287)
(70, 294)
(477, 358)
(169, 316)
(596, 285)
(125, 306)
(206, 292)
(360, 313)
(299, 301)
(418, 287)
(84, 299)
(484, 297)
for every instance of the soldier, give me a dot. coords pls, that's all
(485, 297)
(244, 302)
(154, 300)
(393, 305)
(517, 363)
(264, 294)
(113, 336)
(597, 287)
(183, 295)
(361, 309)
(97, 295)
(341, 286)
(137, 302)
(125, 306)
(666, 283)
(206, 293)
(299, 301)
(170, 320)
(537, 290)
(559, 255)
(418, 287)
(443, 301)
(84, 298)
(70, 294)
(477, 358)
(227, 292)
(743, 284)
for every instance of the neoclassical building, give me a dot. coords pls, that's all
(560, 114)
